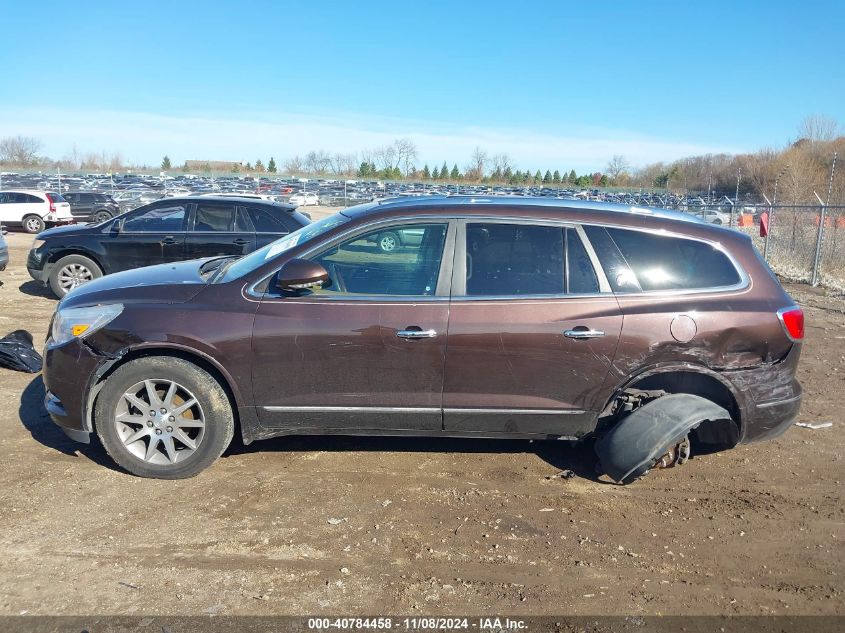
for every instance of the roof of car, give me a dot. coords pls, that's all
(452, 202)
(225, 198)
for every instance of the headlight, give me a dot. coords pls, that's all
(80, 322)
(37, 244)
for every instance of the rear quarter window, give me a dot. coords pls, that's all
(650, 261)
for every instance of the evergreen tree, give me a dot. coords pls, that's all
(444, 171)
(426, 172)
(248, 166)
(538, 177)
(435, 175)
(572, 177)
(507, 175)
(455, 175)
(364, 170)
(556, 177)
(547, 178)
(259, 166)
(271, 166)
(165, 162)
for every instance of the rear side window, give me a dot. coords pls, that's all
(265, 222)
(526, 259)
(30, 199)
(218, 218)
(514, 259)
(662, 262)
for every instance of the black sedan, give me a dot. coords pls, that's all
(172, 229)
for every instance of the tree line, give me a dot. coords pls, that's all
(800, 168)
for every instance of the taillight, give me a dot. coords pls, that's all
(52, 203)
(793, 322)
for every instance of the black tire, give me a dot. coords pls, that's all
(388, 242)
(83, 268)
(101, 216)
(216, 412)
(634, 445)
(33, 224)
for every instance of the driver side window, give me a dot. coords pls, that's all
(397, 260)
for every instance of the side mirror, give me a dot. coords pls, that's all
(300, 274)
(117, 226)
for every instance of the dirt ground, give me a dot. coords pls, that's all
(404, 526)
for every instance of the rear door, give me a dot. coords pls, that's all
(153, 234)
(218, 228)
(533, 330)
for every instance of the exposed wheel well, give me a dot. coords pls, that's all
(719, 433)
(196, 359)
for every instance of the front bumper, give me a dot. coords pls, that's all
(70, 373)
(37, 267)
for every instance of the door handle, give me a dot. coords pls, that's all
(582, 332)
(240, 241)
(168, 240)
(411, 334)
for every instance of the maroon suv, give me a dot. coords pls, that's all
(512, 318)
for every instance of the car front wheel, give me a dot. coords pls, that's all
(72, 271)
(163, 417)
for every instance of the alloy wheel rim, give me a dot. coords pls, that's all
(33, 225)
(388, 243)
(160, 422)
(74, 275)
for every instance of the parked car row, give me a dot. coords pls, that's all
(171, 229)
(496, 317)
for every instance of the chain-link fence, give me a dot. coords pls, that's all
(799, 242)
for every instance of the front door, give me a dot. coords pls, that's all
(153, 234)
(532, 332)
(365, 352)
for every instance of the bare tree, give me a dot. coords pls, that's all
(19, 150)
(293, 165)
(477, 163)
(317, 162)
(501, 163)
(385, 157)
(817, 128)
(617, 167)
(406, 153)
(344, 164)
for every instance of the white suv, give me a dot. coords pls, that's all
(33, 210)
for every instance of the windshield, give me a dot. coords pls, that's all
(257, 258)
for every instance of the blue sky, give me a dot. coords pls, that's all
(558, 84)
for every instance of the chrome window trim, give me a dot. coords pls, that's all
(745, 282)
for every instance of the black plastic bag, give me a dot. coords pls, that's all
(17, 352)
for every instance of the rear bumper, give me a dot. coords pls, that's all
(769, 420)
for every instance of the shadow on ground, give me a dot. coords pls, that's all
(35, 419)
(36, 289)
(579, 458)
